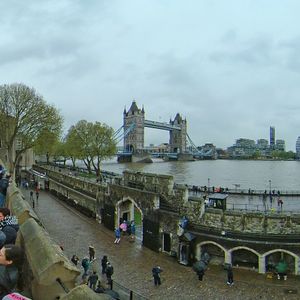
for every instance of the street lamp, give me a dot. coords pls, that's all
(270, 185)
(208, 181)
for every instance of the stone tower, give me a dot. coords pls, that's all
(178, 137)
(135, 117)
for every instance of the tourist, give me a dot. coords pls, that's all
(31, 196)
(8, 225)
(75, 259)
(109, 272)
(37, 194)
(103, 264)
(132, 226)
(200, 274)
(279, 203)
(85, 264)
(11, 260)
(6, 219)
(156, 275)
(92, 280)
(123, 227)
(118, 235)
(281, 269)
(91, 252)
(229, 275)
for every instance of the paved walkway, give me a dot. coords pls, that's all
(133, 263)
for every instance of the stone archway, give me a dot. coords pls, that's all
(128, 210)
(272, 258)
(216, 251)
(245, 257)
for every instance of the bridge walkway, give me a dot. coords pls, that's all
(133, 263)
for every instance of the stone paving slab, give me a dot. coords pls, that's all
(133, 263)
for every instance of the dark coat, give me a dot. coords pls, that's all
(8, 279)
(11, 234)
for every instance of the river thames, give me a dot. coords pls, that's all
(257, 175)
(242, 174)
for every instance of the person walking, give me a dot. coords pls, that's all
(86, 265)
(92, 280)
(32, 199)
(109, 272)
(200, 274)
(37, 194)
(75, 259)
(156, 275)
(229, 275)
(91, 252)
(118, 235)
(104, 264)
(279, 204)
(123, 227)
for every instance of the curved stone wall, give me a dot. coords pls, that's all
(45, 262)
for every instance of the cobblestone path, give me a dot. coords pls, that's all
(133, 263)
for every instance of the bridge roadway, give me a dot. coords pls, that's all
(133, 263)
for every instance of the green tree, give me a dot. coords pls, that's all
(24, 117)
(60, 152)
(46, 144)
(73, 144)
(94, 143)
(103, 145)
(81, 135)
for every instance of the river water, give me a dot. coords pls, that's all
(257, 175)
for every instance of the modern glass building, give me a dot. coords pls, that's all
(298, 147)
(272, 137)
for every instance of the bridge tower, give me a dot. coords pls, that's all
(134, 141)
(178, 137)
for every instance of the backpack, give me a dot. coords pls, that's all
(84, 262)
(110, 270)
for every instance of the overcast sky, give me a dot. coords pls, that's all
(231, 68)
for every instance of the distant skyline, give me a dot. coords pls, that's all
(231, 68)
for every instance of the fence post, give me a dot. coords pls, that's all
(131, 295)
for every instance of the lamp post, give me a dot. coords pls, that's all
(208, 182)
(270, 192)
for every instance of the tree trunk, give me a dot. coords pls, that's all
(11, 163)
(73, 159)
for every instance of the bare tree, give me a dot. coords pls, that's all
(24, 115)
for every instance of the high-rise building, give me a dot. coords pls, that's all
(280, 145)
(298, 147)
(272, 137)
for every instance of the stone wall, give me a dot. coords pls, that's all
(148, 190)
(45, 262)
(157, 183)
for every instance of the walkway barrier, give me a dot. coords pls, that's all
(20, 207)
(47, 262)
(126, 293)
(83, 292)
(47, 272)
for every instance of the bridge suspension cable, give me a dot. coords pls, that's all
(193, 146)
(119, 135)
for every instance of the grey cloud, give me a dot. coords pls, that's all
(292, 47)
(255, 52)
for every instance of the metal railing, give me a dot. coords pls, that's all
(125, 293)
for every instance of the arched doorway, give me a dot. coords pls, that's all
(216, 252)
(127, 210)
(245, 257)
(273, 257)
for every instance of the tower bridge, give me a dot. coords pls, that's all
(180, 145)
(134, 140)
